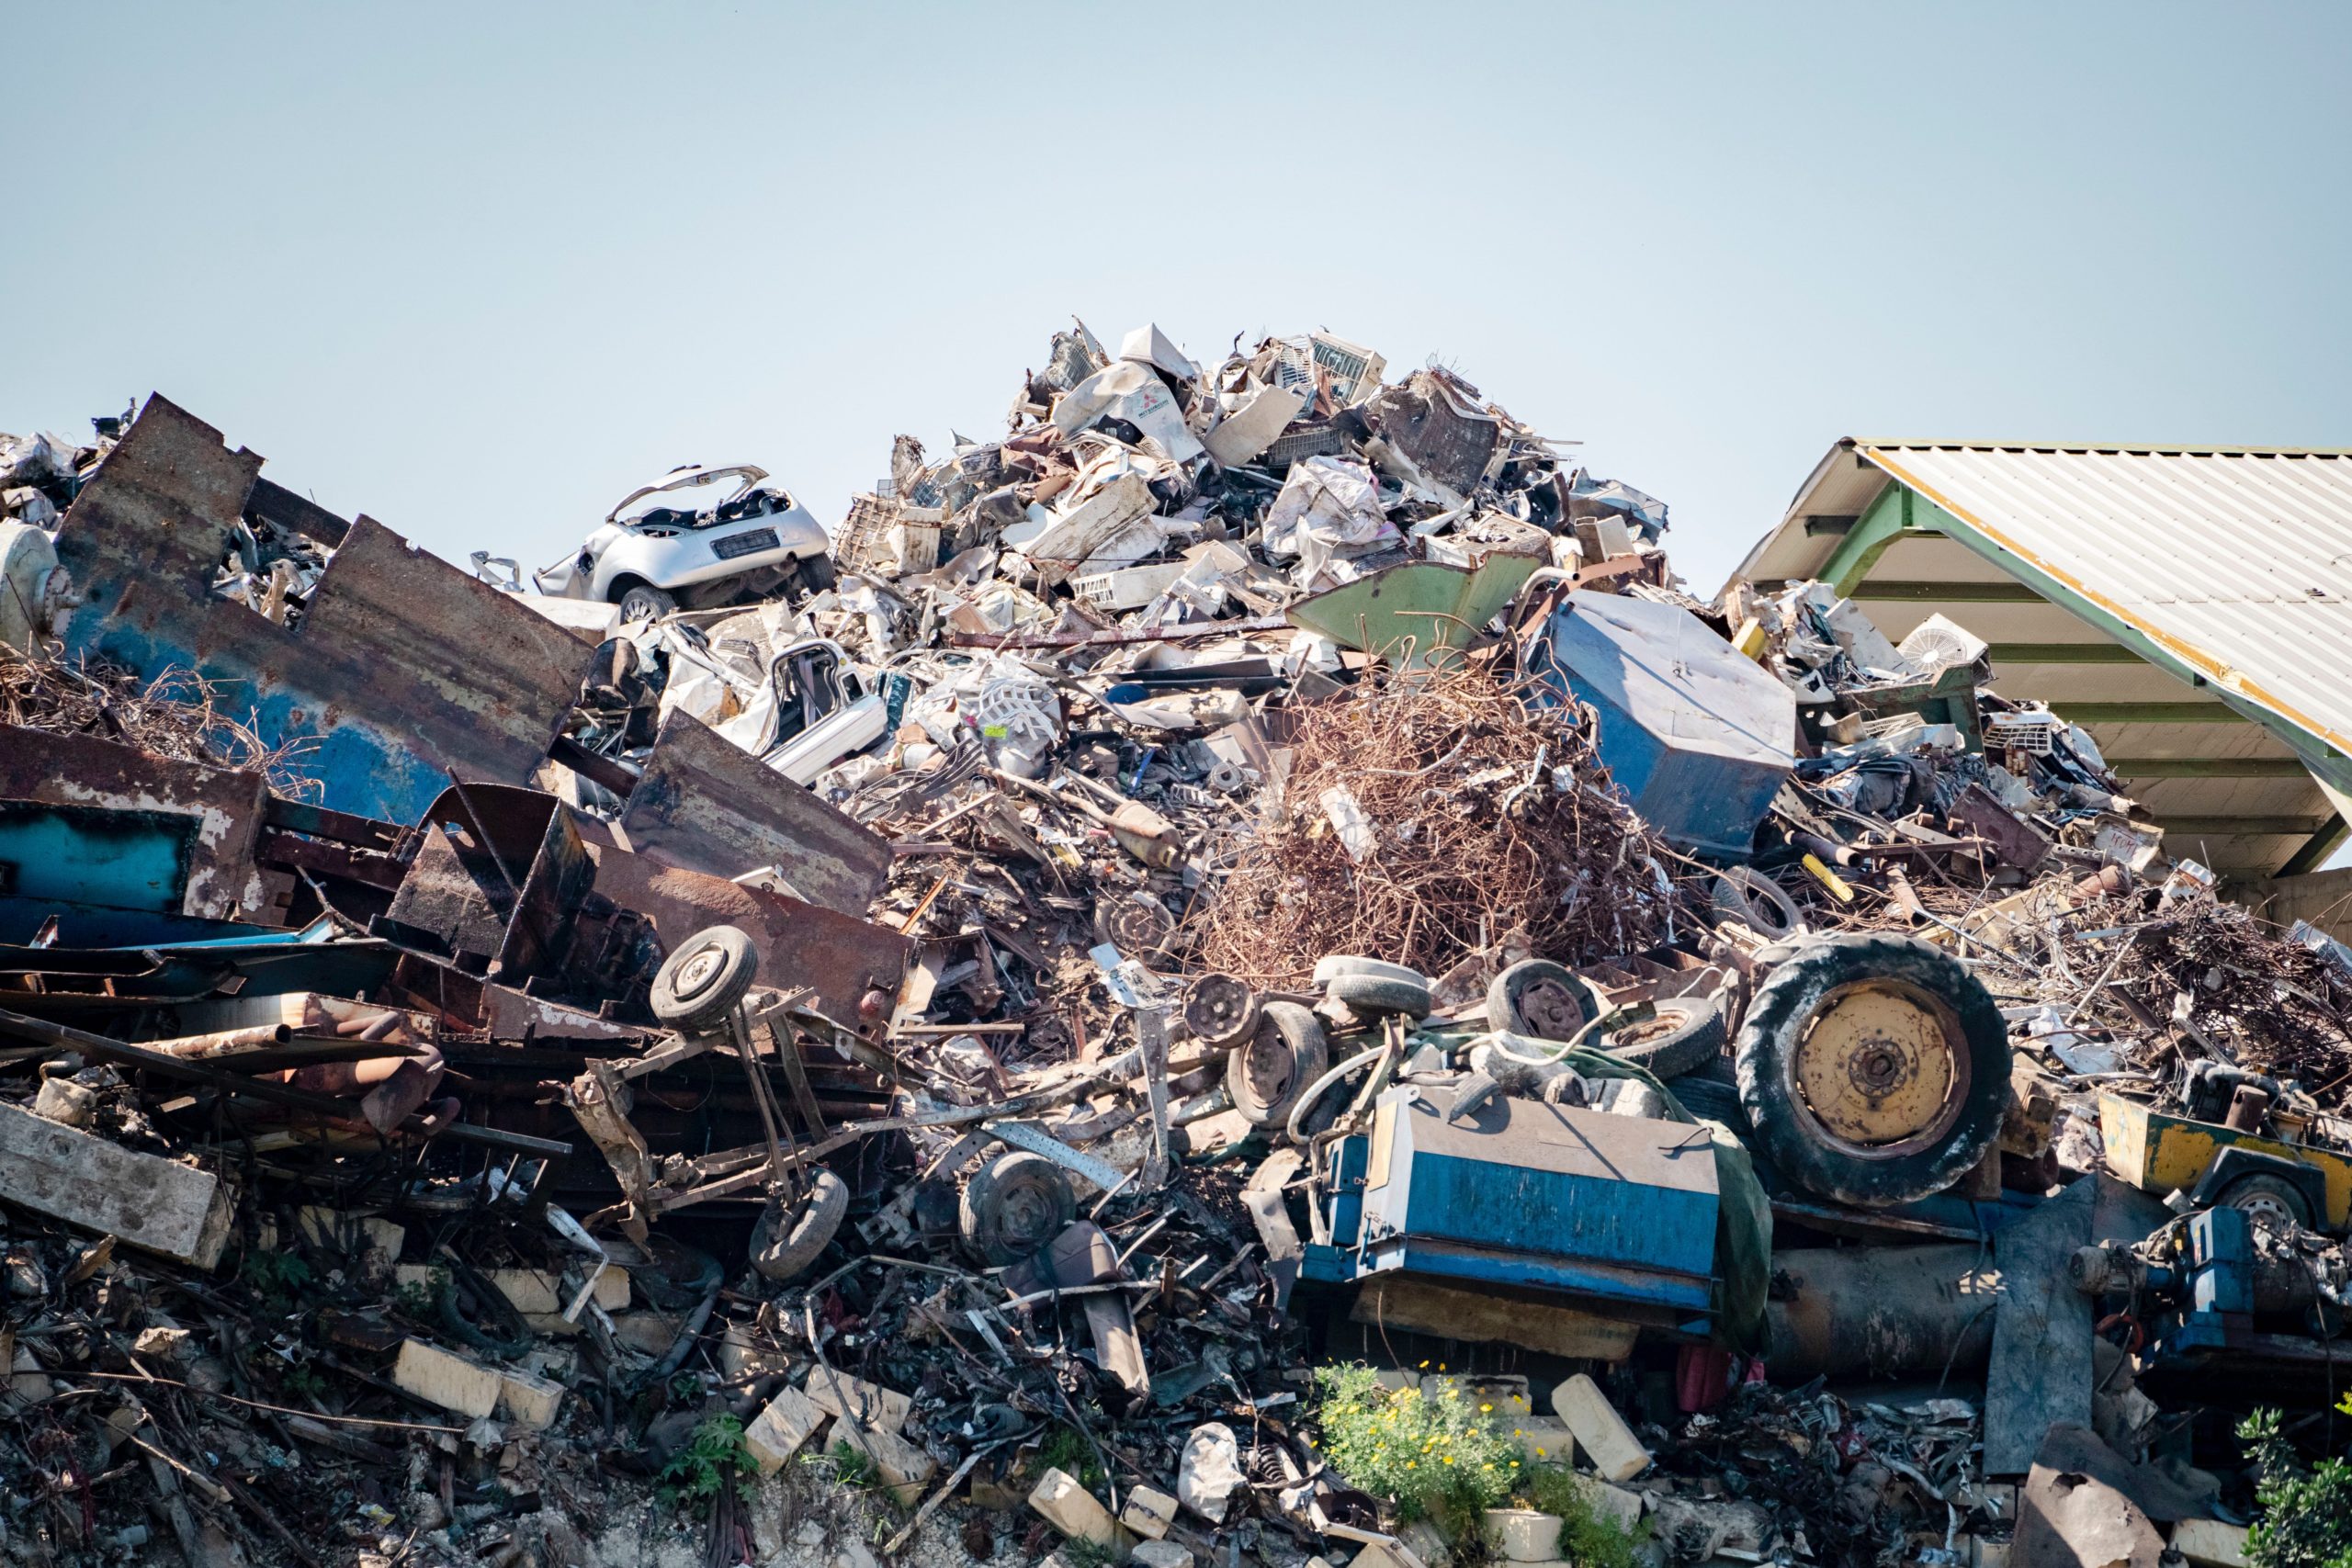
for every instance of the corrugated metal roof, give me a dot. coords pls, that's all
(2237, 562)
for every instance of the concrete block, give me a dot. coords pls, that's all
(446, 1379)
(2210, 1543)
(1160, 1554)
(869, 1405)
(1544, 1440)
(1148, 1512)
(1072, 1509)
(778, 1432)
(525, 1400)
(905, 1468)
(63, 1100)
(1601, 1432)
(149, 1202)
(1523, 1535)
(330, 1231)
(1612, 1504)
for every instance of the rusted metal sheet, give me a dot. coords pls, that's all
(706, 805)
(204, 821)
(401, 669)
(840, 958)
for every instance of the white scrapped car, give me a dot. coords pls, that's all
(696, 539)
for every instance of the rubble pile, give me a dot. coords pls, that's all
(951, 1040)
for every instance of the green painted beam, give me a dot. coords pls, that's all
(2207, 768)
(1948, 592)
(2243, 827)
(2150, 712)
(2316, 849)
(1889, 518)
(2064, 653)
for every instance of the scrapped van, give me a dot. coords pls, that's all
(696, 539)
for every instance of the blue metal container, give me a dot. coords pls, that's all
(1616, 1212)
(1697, 737)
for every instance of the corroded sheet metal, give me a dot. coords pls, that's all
(225, 809)
(708, 805)
(842, 958)
(402, 669)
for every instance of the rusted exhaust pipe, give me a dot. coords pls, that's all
(194, 1046)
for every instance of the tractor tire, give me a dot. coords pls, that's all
(1376, 996)
(782, 1252)
(1539, 998)
(704, 980)
(1874, 1069)
(1268, 1072)
(1015, 1205)
(1686, 1034)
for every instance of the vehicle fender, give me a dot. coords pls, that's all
(658, 562)
(2233, 1161)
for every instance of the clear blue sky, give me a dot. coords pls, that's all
(477, 271)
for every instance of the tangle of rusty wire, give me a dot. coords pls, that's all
(1473, 835)
(177, 714)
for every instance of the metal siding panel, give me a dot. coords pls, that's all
(2214, 555)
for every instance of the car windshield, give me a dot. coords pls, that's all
(693, 491)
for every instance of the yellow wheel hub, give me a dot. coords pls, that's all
(1876, 1066)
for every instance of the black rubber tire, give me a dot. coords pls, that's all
(644, 602)
(1015, 1204)
(1755, 900)
(1267, 1073)
(1686, 1034)
(702, 982)
(781, 1251)
(1332, 966)
(816, 573)
(1807, 1154)
(2262, 1195)
(502, 1333)
(1532, 998)
(1375, 996)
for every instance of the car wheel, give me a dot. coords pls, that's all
(1686, 1034)
(1268, 1072)
(1377, 996)
(1330, 968)
(644, 602)
(1874, 1069)
(1220, 1010)
(816, 573)
(1015, 1205)
(2269, 1201)
(700, 984)
(781, 1251)
(1539, 998)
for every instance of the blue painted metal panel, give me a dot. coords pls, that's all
(1697, 737)
(85, 855)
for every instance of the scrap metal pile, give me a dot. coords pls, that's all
(1260, 867)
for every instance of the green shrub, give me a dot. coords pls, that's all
(2306, 1515)
(1586, 1539)
(1444, 1459)
(713, 1457)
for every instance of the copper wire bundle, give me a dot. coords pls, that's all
(1486, 814)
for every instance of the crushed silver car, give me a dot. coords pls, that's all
(668, 546)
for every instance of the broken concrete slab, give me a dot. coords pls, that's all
(903, 1467)
(1148, 1512)
(779, 1431)
(869, 1405)
(151, 1203)
(1072, 1509)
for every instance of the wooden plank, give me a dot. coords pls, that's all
(149, 1202)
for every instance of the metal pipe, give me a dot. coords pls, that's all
(1881, 1312)
(220, 1040)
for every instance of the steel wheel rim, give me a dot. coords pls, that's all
(1882, 1071)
